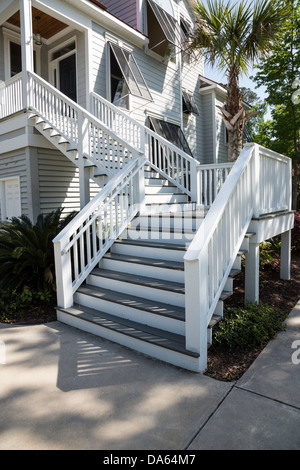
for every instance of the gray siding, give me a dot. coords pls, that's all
(59, 182)
(207, 128)
(222, 147)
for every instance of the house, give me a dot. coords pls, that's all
(103, 111)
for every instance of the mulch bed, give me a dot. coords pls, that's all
(283, 295)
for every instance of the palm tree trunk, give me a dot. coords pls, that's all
(237, 119)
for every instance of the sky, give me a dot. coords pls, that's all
(245, 81)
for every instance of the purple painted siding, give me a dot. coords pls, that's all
(125, 10)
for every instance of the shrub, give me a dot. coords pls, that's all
(27, 253)
(249, 327)
(18, 305)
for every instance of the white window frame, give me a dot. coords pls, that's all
(3, 196)
(54, 64)
(15, 37)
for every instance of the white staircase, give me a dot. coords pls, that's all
(150, 259)
(136, 296)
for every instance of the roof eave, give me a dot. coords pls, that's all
(109, 21)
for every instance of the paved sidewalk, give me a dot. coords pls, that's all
(61, 388)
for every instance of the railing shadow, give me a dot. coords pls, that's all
(87, 362)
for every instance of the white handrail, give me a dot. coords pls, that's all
(211, 254)
(79, 247)
(93, 138)
(173, 163)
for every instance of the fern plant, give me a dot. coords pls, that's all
(26, 251)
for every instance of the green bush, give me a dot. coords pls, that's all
(249, 327)
(27, 253)
(19, 305)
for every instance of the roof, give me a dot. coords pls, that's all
(98, 4)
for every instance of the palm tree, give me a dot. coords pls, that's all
(233, 36)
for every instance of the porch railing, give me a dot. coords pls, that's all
(210, 256)
(11, 96)
(210, 179)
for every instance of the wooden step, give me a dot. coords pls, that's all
(145, 311)
(149, 249)
(153, 342)
(162, 269)
(168, 292)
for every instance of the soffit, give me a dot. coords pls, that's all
(47, 25)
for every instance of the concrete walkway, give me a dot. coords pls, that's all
(61, 388)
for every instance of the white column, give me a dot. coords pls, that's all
(252, 273)
(26, 45)
(285, 256)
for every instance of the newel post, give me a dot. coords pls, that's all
(63, 273)
(83, 149)
(26, 47)
(196, 307)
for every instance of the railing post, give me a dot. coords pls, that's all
(83, 150)
(252, 273)
(194, 182)
(139, 188)
(196, 307)
(63, 272)
(285, 256)
(255, 179)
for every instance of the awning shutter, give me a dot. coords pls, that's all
(131, 72)
(168, 24)
(189, 105)
(170, 132)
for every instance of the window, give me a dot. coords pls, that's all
(188, 103)
(164, 31)
(126, 77)
(15, 55)
(170, 132)
(10, 198)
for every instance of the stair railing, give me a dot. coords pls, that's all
(210, 179)
(247, 192)
(94, 141)
(80, 246)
